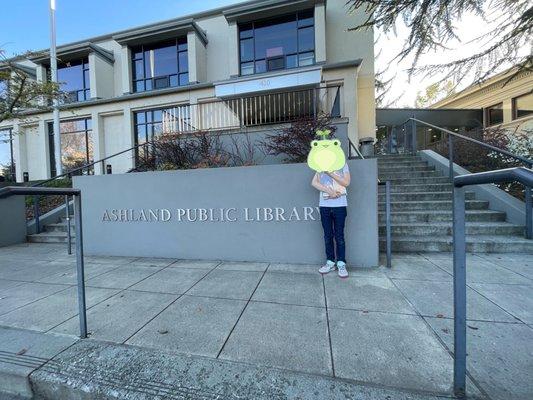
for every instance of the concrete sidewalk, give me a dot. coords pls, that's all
(384, 329)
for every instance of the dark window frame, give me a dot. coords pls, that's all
(254, 61)
(85, 91)
(144, 82)
(515, 109)
(488, 121)
(87, 124)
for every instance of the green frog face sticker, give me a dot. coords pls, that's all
(326, 155)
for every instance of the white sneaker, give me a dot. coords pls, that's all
(343, 273)
(328, 267)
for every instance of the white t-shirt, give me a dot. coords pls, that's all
(327, 180)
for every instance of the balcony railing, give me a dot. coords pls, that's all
(264, 109)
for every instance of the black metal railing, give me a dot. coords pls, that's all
(76, 194)
(525, 177)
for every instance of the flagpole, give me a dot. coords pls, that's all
(53, 78)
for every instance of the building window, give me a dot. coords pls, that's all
(494, 114)
(149, 124)
(284, 42)
(73, 78)
(7, 162)
(523, 105)
(76, 145)
(160, 65)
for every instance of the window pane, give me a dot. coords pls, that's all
(247, 50)
(141, 134)
(164, 61)
(174, 81)
(183, 61)
(260, 66)
(306, 39)
(245, 31)
(305, 18)
(306, 59)
(292, 61)
(148, 84)
(87, 78)
(139, 86)
(137, 53)
(157, 115)
(138, 72)
(182, 45)
(495, 114)
(275, 38)
(247, 68)
(70, 77)
(523, 105)
(184, 79)
(140, 118)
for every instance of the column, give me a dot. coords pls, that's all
(233, 49)
(320, 32)
(130, 131)
(125, 59)
(19, 152)
(45, 145)
(98, 142)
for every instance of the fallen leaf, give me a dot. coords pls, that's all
(473, 327)
(440, 316)
(163, 332)
(21, 352)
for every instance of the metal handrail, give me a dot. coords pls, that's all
(518, 174)
(76, 193)
(526, 161)
(351, 146)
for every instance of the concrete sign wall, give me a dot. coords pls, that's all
(259, 213)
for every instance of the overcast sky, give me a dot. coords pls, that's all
(27, 28)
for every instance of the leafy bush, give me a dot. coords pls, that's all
(293, 142)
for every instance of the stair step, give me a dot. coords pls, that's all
(402, 174)
(398, 217)
(474, 244)
(417, 188)
(422, 180)
(49, 237)
(423, 196)
(59, 227)
(445, 229)
(433, 205)
(415, 168)
(401, 157)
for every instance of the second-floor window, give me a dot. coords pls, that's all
(523, 105)
(284, 42)
(73, 77)
(160, 65)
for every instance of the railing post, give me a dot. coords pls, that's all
(103, 167)
(69, 236)
(529, 213)
(36, 213)
(413, 136)
(388, 223)
(450, 156)
(459, 292)
(80, 267)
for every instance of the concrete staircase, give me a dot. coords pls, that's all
(54, 233)
(421, 200)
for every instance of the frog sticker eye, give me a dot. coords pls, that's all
(314, 143)
(336, 143)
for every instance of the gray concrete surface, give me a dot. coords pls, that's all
(379, 333)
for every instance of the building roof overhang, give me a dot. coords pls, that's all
(29, 71)
(264, 9)
(75, 51)
(160, 32)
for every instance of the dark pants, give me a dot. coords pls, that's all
(333, 219)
